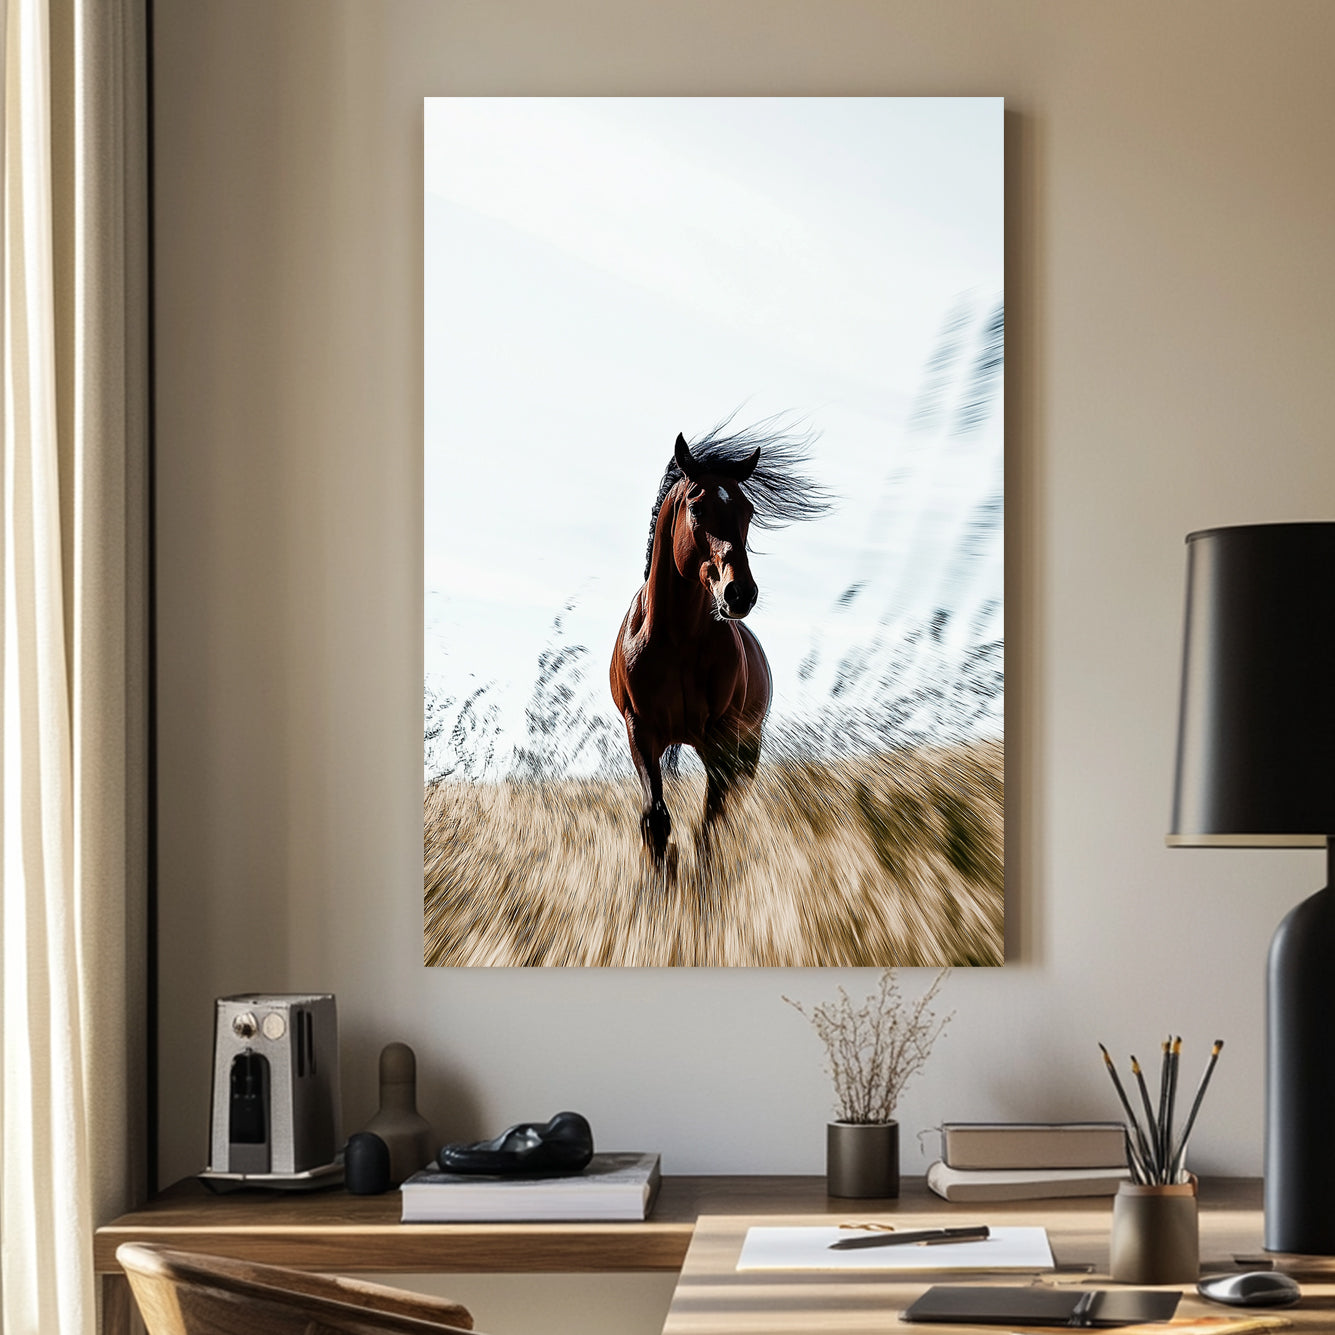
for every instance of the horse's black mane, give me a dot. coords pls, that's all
(778, 491)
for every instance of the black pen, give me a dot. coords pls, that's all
(923, 1237)
(1080, 1312)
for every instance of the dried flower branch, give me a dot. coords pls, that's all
(874, 1051)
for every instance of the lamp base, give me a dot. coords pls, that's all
(1300, 1079)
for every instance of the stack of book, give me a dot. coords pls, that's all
(613, 1186)
(1021, 1161)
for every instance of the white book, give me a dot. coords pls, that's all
(1006, 1248)
(612, 1187)
(1022, 1184)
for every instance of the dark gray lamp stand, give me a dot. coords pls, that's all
(1300, 1077)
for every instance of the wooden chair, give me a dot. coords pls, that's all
(182, 1293)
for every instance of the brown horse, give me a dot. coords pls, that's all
(685, 670)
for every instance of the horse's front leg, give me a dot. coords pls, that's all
(726, 766)
(655, 819)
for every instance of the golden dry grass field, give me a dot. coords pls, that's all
(892, 859)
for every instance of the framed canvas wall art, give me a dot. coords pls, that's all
(713, 531)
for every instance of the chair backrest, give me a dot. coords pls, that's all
(183, 1293)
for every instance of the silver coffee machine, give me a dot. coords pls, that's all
(275, 1092)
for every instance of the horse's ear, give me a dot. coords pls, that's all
(741, 471)
(685, 461)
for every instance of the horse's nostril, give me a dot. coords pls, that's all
(739, 599)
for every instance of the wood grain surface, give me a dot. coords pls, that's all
(697, 1226)
(334, 1230)
(712, 1298)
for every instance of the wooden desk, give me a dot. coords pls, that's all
(712, 1298)
(334, 1231)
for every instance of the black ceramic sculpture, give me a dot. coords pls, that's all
(563, 1145)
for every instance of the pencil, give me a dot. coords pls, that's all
(1174, 1059)
(1121, 1093)
(1135, 1161)
(1180, 1158)
(1164, 1062)
(1146, 1150)
(1144, 1098)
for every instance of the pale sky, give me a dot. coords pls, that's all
(603, 273)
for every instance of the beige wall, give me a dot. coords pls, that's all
(1171, 287)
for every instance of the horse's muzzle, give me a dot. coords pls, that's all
(739, 598)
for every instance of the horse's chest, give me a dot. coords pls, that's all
(692, 688)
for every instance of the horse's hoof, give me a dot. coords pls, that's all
(655, 827)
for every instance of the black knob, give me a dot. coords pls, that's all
(366, 1164)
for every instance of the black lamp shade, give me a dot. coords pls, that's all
(1256, 731)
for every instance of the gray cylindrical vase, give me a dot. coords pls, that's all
(1155, 1235)
(862, 1159)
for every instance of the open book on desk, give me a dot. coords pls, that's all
(1006, 1248)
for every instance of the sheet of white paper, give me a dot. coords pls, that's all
(1009, 1248)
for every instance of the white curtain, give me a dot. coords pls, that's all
(73, 718)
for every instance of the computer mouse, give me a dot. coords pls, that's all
(1254, 1288)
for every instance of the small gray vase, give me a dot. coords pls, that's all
(862, 1159)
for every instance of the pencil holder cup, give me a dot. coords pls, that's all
(1155, 1238)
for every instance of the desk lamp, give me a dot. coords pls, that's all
(1256, 769)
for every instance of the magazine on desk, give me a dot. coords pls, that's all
(612, 1187)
